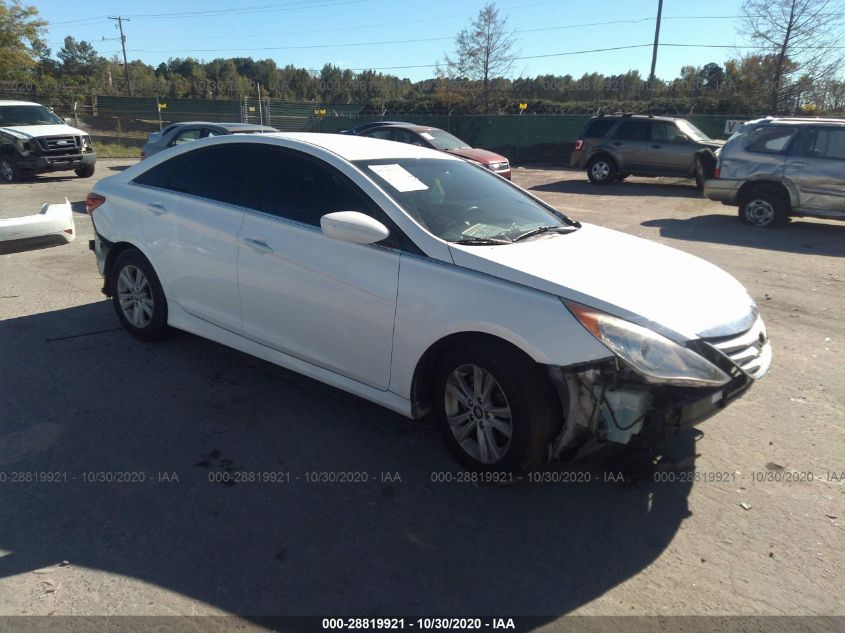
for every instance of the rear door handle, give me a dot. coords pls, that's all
(656, 146)
(257, 245)
(157, 208)
(617, 143)
(798, 163)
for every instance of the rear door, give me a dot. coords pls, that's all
(668, 153)
(630, 141)
(191, 218)
(817, 168)
(325, 301)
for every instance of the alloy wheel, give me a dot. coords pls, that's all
(600, 170)
(478, 413)
(759, 212)
(135, 296)
(6, 171)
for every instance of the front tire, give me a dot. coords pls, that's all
(86, 171)
(137, 297)
(496, 408)
(764, 208)
(9, 172)
(601, 170)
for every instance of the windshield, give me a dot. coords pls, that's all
(460, 202)
(693, 132)
(442, 140)
(27, 115)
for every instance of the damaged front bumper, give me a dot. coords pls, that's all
(609, 403)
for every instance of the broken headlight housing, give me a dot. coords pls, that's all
(656, 358)
(24, 147)
(86, 143)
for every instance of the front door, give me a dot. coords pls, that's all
(325, 301)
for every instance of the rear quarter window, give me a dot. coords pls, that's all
(770, 140)
(597, 128)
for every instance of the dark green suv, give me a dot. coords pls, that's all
(612, 148)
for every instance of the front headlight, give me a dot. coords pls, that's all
(86, 143)
(655, 357)
(24, 148)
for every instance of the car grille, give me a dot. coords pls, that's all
(60, 145)
(750, 351)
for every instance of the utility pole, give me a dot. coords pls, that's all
(656, 43)
(123, 45)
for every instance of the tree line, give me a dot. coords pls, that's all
(792, 75)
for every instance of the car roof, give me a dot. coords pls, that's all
(18, 103)
(796, 121)
(354, 148)
(226, 125)
(647, 117)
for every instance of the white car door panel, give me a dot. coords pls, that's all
(327, 302)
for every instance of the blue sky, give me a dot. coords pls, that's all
(371, 33)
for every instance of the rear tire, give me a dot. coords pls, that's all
(505, 422)
(764, 207)
(601, 170)
(137, 296)
(85, 172)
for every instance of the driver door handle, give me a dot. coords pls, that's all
(798, 163)
(157, 208)
(257, 245)
(656, 146)
(617, 143)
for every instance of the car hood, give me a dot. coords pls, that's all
(653, 285)
(479, 155)
(36, 131)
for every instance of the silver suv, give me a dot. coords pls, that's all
(614, 147)
(775, 168)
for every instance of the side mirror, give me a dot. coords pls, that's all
(682, 138)
(352, 226)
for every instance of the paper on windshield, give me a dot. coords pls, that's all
(399, 178)
(426, 135)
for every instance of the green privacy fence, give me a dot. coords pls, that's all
(522, 138)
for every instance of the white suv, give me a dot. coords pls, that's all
(33, 140)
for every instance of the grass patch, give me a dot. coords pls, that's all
(114, 150)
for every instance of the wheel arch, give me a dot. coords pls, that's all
(423, 376)
(752, 187)
(114, 251)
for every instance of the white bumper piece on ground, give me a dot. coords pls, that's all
(53, 220)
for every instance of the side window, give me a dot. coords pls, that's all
(404, 136)
(217, 173)
(598, 128)
(382, 133)
(770, 140)
(633, 130)
(209, 133)
(664, 131)
(827, 143)
(302, 188)
(186, 136)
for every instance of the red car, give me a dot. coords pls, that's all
(435, 138)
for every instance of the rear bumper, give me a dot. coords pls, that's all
(724, 191)
(576, 159)
(44, 164)
(54, 220)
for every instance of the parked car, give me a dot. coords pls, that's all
(180, 133)
(359, 129)
(611, 148)
(438, 139)
(775, 168)
(501, 320)
(34, 140)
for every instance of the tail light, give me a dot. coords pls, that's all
(717, 171)
(579, 143)
(93, 201)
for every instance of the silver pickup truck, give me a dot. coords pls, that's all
(33, 140)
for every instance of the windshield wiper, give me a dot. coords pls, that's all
(481, 241)
(545, 229)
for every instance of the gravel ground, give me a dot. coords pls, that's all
(81, 398)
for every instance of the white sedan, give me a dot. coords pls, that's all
(426, 284)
